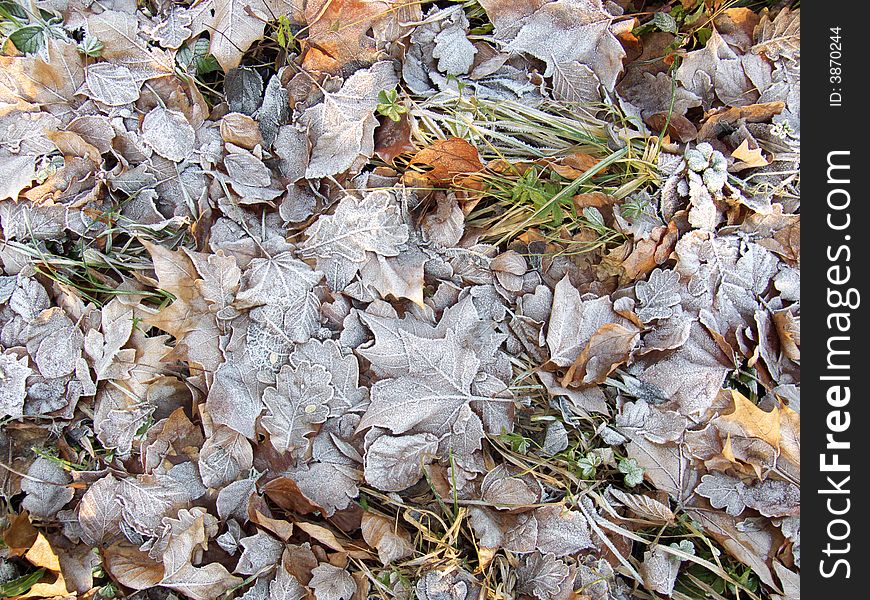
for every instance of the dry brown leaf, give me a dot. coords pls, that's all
(678, 126)
(650, 253)
(19, 535)
(749, 158)
(241, 130)
(72, 144)
(393, 138)
(593, 199)
(131, 567)
(722, 120)
(447, 159)
(42, 555)
(391, 541)
(322, 535)
(574, 165)
(608, 348)
(749, 420)
(338, 30)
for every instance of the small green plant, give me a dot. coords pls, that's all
(516, 442)
(284, 34)
(29, 31)
(389, 105)
(588, 465)
(633, 472)
(195, 58)
(90, 46)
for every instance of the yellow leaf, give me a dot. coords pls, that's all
(749, 420)
(751, 158)
(41, 554)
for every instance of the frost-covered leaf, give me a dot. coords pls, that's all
(16, 174)
(298, 403)
(186, 535)
(235, 397)
(342, 126)
(548, 529)
(261, 551)
(343, 368)
(232, 501)
(658, 295)
(454, 51)
(389, 539)
(773, 498)
(573, 322)
(331, 583)
(111, 84)
(724, 491)
(168, 133)
(779, 37)
(340, 241)
(278, 280)
(124, 45)
(286, 587)
(563, 31)
(55, 343)
(46, 488)
(13, 384)
(609, 347)
(224, 456)
(659, 570)
(644, 506)
(99, 511)
(240, 23)
(429, 399)
(395, 463)
(541, 575)
(146, 499)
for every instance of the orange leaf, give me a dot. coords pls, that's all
(749, 420)
(448, 159)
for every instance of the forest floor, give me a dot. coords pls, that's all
(340, 299)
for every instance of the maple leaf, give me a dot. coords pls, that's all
(340, 241)
(438, 384)
(342, 127)
(569, 35)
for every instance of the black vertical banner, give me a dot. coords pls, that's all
(835, 257)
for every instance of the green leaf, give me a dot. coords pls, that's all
(665, 22)
(633, 472)
(29, 39)
(12, 10)
(91, 46)
(703, 35)
(20, 585)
